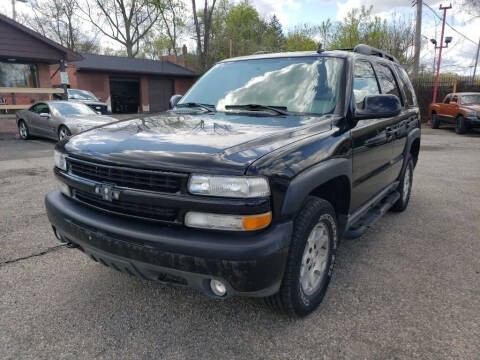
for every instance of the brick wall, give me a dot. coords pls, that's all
(182, 85)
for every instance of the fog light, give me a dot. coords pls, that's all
(218, 287)
(65, 189)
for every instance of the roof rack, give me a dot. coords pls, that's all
(369, 50)
(262, 52)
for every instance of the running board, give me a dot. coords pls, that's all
(361, 226)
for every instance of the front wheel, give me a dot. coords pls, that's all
(461, 127)
(310, 260)
(63, 133)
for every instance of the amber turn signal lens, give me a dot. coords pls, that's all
(257, 222)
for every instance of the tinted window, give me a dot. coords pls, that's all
(72, 108)
(40, 108)
(387, 80)
(407, 87)
(470, 99)
(302, 84)
(447, 100)
(364, 82)
(455, 98)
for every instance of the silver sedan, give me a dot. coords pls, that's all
(58, 119)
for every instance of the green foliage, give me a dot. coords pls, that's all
(301, 38)
(359, 27)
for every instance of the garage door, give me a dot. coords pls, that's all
(159, 93)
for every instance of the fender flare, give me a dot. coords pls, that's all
(305, 182)
(412, 136)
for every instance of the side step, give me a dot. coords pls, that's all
(361, 226)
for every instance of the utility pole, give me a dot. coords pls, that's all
(476, 61)
(418, 34)
(435, 85)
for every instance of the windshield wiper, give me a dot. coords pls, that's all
(207, 107)
(282, 110)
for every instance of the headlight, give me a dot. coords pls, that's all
(229, 186)
(60, 160)
(227, 222)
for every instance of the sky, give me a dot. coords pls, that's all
(459, 57)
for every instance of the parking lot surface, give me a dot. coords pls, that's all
(409, 288)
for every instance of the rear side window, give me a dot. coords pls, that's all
(387, 80)
(408, 91)
(364, 82)
(447, 100)
(455, 98)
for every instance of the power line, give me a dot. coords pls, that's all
(450, 26)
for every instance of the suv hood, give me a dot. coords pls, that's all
(91, 102)
(216, 142)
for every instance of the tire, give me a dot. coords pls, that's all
(315, 227)
(435, 123)
(461, 127)
(404, 187)
(23, 130)
(63, 132)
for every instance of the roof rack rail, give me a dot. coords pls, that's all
(369, 50)
(262, 52)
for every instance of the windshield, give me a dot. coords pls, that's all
(71, 108)
(309, 85)
(81, 95)
(470, 99)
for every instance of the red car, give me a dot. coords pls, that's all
(460, 109)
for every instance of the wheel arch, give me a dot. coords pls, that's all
(330, 180)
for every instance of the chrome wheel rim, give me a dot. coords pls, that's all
(406, 183)
(23, 130)
(315, 259)
(63, 133)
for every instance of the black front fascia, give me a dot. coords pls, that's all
(182, 202)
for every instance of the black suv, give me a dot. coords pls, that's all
(246, 186)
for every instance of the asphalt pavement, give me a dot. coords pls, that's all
(409, 288)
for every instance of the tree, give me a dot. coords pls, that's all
(274, 38)
(245, 28)
(124, 21)
(57, 20)
(359, 27)
(171, 13)
(301, 38)
(203, 31)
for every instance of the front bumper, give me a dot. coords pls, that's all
(249, 264)
(473, 121)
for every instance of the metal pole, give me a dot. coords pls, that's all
(231, 47)
(476, 61)
(62, 69)
(435, 85)
(418, 34)
(13, 9)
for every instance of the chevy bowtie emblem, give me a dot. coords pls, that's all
(107, 192)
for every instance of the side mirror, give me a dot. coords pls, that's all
(98, 112)
(174, 101)
(45, 115)
(379, 106)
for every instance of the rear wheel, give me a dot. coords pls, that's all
(435, 121)
(23, 130)
(404, 187)
(63, 132)
(461, 127)
(310, 261)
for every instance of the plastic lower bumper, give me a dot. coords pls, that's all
(473, 122)
(249, 264)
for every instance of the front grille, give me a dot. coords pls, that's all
(127, 208)
(127, 177)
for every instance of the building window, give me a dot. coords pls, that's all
(18, 75)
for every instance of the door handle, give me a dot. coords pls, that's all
(389, 132)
